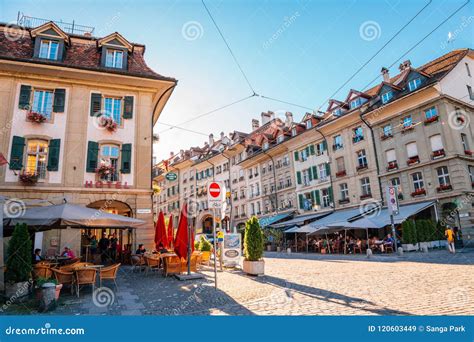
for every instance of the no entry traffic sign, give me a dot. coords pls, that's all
(214, 189)
(215, 194)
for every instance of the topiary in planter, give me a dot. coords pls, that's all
(253, 241)
(204, 245)
(19, 263)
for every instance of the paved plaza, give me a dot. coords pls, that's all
(436, 283)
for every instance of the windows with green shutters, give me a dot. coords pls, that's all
(42, 101)
(114, 107)
(119, 158)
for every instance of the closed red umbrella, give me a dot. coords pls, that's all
(170, 231)
(182, 238)
(160, 232)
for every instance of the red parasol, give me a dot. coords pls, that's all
(160, 232)
(170, 231)
(182, 237)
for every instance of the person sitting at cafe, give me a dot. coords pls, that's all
(37, 256)
(389, 241)
(67, 252)
(141, 249)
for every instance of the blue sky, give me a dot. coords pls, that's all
(297, 51)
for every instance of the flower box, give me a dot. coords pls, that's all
(105, 170)
(28, 178)
(36, 117)
(341, 173)
(445, 187)
(108, 123)
(413, 160)
(419, 192)
(392, 166)
(362, 197)
(344, 201)
(386, 136)
(431, 120)
(468, 152)
(438, 154)
(408, 129)
(362, 167)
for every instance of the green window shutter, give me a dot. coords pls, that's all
(96, 104)
(53, 154)
(307, 150)
(59, 100)
(297, 155)
(128, 107)
(301, 201)
(328, 169)
(311, 149)
(16, 154)
(298, 177)
(25, 93)
(316, 195)
(310, 175)
(315, 172)
(92, 156)
(331, 196)
(168, 191)
(126, 158)
(312, 196)
(325, 145)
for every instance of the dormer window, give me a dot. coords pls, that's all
(114, 59)
(357, 102)
(309, 124)
(280, 138)
(48, 49)
(265, 146)
(337, 112)
(293, 131)
(386, 97)
(414, 84)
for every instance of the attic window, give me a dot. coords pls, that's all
(114, 59)
(49, 49)
(414, 84)
(293, 131)
(337, 112)
(309, 124)
(357, 102)
(280, 138)
(386, 97)
(265, 146)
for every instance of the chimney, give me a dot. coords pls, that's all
(171, 154)
(289, 119)
(255, 124)
(211, 139)
(87, 34)
(385, 74)
(181, 153)
(266, 117)
(405, 65)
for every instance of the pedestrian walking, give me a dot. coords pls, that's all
(449, 233)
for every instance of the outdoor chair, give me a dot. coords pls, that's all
(184, 264)
(388, 247)
(43, 263)
(357, 248)
(71, 261)
(110, 273)
(64, 277)
(68, 267)
(42, 272)
(85, 276)
(138, 262)
(172, 265)
(82, 264)
(152, 264)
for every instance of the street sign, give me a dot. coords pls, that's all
(232, 249)
(171, 176)
(215, 195)
(392, 200)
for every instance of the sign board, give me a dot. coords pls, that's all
(392, 200)
(232, 249)
(171, 176)
(215, 195)
(144, 211)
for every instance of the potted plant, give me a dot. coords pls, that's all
(39, 287)
(28, 178)
(409, 239)
(18, 264)
(108, 123)
(105, 170)
(205, 247)
(253, 247)
(36, 117)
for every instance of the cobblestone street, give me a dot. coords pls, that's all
(297, 284)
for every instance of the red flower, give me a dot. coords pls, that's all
(36, 117)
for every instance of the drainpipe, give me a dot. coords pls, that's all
(329, 162)
(376, 158)
(274, 179)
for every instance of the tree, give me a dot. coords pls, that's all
(19, 261)
(408, 232)
(253, 241)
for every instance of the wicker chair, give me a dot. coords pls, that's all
(64, 277)
(138, 262)
(69, 267)
(82, 264)
(43, 263)
(85, 276)
(42, 272)
(109, 273)
(184, 264)
(152, 264)
(172, 265)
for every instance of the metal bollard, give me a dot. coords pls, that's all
(369, 253)
(400, 251)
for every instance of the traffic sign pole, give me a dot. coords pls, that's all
(215, 246)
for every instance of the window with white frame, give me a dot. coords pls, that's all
(43, 103)
(358, 134)
(322, 171)
(471, 173)
(357, 102)
(306, 177)
(252, 208)
(49, 49)
(469, 91)
(414, 84)
(431, 113)
(337, 112)
(113, 109)
(436, 142)
(391, 155)
(396, 183)
(344, 191)
(37, 157)
(325, 198)
(361, 158)
(304, 155)
(412, 150)
(443, 175)
(467, 69)
(280, 138)
(417, 178)
(387, 130)
(114, 59)
(465, 142)
(365, 186)
(407, 121)
(386, 97)
(109, 156)
(338, 142)
(309, 124)
(293, 131)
